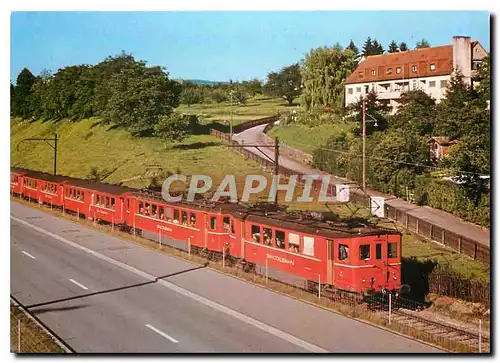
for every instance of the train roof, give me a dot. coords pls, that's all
(101, 187)
(46, 176)
(19, 170)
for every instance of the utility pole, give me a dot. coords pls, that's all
(364, 145)
(276, 147)
(276, 164)
(47, 141)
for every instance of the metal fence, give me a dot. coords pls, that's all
(439, 234)
(28, 336)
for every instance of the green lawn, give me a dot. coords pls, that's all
(255, 108)
(131, 160)
(307, 138)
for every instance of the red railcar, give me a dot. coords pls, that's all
(50, 188)
(105, 202)
(16, 180)
(354, 259)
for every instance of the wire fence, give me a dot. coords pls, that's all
(27, 336)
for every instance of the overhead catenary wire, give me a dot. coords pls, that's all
(391, 161)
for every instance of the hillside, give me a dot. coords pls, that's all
(127, 159)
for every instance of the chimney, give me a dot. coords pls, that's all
(462, 56)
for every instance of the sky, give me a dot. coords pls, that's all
(220, 46)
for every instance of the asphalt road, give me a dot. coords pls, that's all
(102, 294)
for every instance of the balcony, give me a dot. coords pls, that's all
(389, 95)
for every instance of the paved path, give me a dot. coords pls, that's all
(103, 294)
(437, 217)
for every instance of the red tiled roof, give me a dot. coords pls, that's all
(441, 56)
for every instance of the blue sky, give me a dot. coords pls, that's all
(220, 45)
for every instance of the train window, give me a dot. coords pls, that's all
(226, 223)
(168, 214)
(161, 213)
(154, 208)
(108, 202)
(213, 222)
(82, 195)
(308, 248)
(147, 209)
(128, 204)
(192, 219)
(255, 230)
(176, 216)
(113, 203)
(280, 239)
(392, 250)
(343, 252)
(294, 242)
(141, 208)
(184, 218)
(364, 252)
(378, 251)
(267, 237)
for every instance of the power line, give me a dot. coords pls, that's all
(389, 160)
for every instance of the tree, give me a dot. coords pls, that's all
(374, 108)
(172, 128)
(237, 96)
(324, 71)
(422, 44)
(368, 47)
(403, 47)
(416, 114)
(139, 96)
(21, 94)
(252, 87)
(377, 48)
(353, 48)
(190, 96)
(286, 84)
(483, 79)
(393, 47)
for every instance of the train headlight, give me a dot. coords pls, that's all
(363, 280)
(394, 277)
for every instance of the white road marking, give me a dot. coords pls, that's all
(162, 333)
(27, 254)
(79, 284)
(216, 306)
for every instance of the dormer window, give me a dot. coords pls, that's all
(433, 66)
(389, 70)
(414, 68)
(398, 70)
(373, 72)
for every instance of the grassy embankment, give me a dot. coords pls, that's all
(33, 338)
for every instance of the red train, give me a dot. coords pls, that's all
(291, 246)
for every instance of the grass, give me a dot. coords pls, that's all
(33, 338)
(306, 138)
(127, 159)
(255, 108)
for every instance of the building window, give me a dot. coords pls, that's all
(361, 74)
(414, 84)
(433, 67)
(358, 89)
(374, 72)
(444, 84)
(432, 84)
(364, 252)
(349, 91)
(398, 70)
(389, 70)
(414, 68)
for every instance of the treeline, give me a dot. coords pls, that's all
(398, 154)
(120, 90)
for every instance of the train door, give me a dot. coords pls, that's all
(329, 261)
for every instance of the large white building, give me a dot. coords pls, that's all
(428, 69)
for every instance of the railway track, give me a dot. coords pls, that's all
(440, 330)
